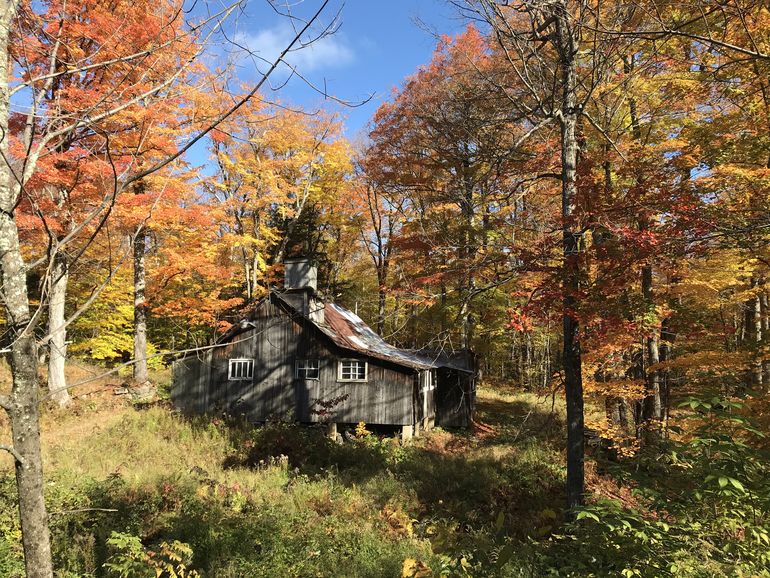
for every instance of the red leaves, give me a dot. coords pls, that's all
(218, 136)
(519, 321)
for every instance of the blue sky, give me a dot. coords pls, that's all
(379, 42)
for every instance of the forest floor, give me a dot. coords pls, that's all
(131, 487)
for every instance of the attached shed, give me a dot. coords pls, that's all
(303, 358)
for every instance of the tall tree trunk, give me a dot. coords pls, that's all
(666, 348)
(254, 277)
(57, 344)
(141, 376)
(755, 331)
(22, 403)
(467, 253)
(25, 427)
(547, 372)
(444, 322)
(395, 327)
(653, 405)
(764, 304)
(247, 276)
(23, 410)
(466, 325)
(612, 409)
(573, 379)
(381, 300)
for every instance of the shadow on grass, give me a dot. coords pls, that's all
(465, 478)
(518, 421)
(284, 500)
(307, 530)
(362, 505)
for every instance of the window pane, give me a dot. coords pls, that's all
(353, 370)
(308, 369)
(241, 369)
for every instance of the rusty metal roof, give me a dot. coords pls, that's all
(348, 331)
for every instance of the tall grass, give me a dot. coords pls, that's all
(283, 500)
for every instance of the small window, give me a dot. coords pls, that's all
(308, 369)
(240, 369)
(352, 370)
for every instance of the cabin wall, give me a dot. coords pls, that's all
(272, 344)
(455, 398)
(191, 378)
(389, 397)
(385, 399)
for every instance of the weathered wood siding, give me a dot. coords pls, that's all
(271, 343)
(386, 398)
(276, 341)
(455, 398)
(192, 376)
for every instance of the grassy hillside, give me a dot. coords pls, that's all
(133, 490)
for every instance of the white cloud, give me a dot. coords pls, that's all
(328, 52)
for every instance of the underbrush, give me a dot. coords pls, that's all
(150, 493)
(161, 479)
(223, 499)
(702, 506)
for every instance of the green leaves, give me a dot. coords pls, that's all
(703, 506)
(713, 404)
(583, 514)
(723, 481)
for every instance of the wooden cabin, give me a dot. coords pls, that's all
(299, 357)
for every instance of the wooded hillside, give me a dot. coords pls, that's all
(576, 191)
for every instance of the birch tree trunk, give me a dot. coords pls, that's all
(666, 350)
(764, 304)
(381, 301)
(57, 344)
(141, 376)
(25, 418)
(22, 403)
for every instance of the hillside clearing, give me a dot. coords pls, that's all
(136, 490)
(222, 487)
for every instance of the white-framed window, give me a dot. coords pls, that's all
(308, 369)
(240, 369)
(352, 370)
